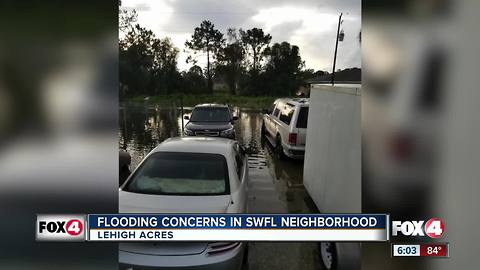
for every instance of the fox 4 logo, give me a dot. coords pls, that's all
(60, 228)
(433, 228)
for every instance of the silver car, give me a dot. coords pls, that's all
(187, 175)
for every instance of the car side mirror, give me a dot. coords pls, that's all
(186, 117)
(235, 118)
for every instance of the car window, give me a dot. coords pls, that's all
(302, 117)
(287, 113)
(210, 114)
(172, 173)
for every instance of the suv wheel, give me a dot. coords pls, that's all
(279, 148)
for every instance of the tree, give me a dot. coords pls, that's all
(148, 65)
(230, 58)
(193, 81)
(256, 41)
(283, 69)
(126, 17)
(206, 39)
(136, 61)
(164, 65)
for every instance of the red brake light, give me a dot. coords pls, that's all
(292, 138)
(401, 147)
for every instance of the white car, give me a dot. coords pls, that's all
(187, 175)
(285, 126)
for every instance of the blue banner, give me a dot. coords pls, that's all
(237, 221)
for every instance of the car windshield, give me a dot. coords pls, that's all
(210, 114)
(171, 173)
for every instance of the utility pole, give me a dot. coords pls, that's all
(181, 111)
(336, 47)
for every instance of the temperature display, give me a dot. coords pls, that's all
(420, 250)
(434, 250)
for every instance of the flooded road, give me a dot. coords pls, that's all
(275, 186)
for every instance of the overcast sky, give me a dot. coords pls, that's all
(309, 24)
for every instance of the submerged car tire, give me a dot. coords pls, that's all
(279, 148)
(328, 255)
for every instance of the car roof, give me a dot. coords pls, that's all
(212, 105)
(212, 145)
(295, 101)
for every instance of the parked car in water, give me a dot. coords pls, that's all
(210, 120)
(187, 175)
(285, 126)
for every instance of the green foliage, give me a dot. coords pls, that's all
(283, 68)
(230, 58)
(148, 65)
(255, 41)
(209, 40)
(242, 64)
(193, 81)
(126, 18)
(191, 100)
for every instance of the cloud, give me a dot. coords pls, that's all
(284, 31)
(188, 14)
(142, 7)
(309, 24)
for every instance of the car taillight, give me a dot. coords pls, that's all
(401, 147)
(292, 138)
(220, 247)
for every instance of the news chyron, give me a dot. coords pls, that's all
(51, 227)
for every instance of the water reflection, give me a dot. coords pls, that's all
(275, 186)
(142, 128)
(273, 181)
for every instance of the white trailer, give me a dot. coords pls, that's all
(332, 168)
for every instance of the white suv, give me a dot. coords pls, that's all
(285, 126)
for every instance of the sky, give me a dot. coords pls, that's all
(309, 24)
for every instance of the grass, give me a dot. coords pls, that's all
(192, 100)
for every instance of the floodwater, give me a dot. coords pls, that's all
(275, 186)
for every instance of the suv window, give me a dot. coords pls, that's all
(277, 110)
(287, 113)
(272, 108)
(302, 117)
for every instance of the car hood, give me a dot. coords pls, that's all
(146, 203)
(212, 126)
